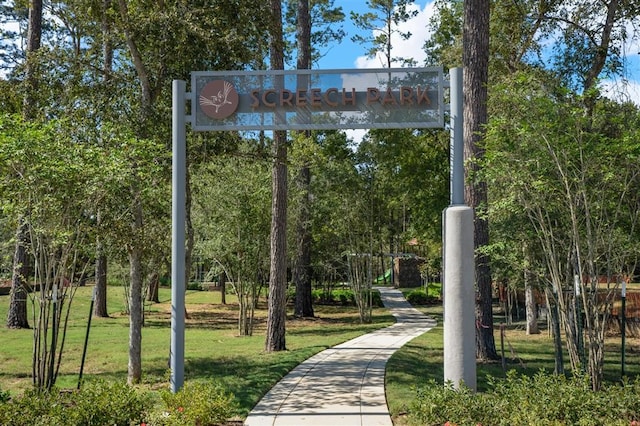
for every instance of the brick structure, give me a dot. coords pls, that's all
(406, 271)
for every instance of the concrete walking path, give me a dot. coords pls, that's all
(343, 385)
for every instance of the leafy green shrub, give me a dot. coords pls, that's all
(420, 297)
(436, 402)
(544, 399)
(32, 408)
(319, 296)
(107, 403)
(98, 403)
(344, 297)
(336, 296)
(291, 293)
(376, 300)
(196, 404)
(5, 396)
(194, 286)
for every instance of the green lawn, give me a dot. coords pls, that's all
(421, 360)
(213, 349)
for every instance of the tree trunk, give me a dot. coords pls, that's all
(107, 47)
(100, 304)
(601, 55)
(17, 316)
(302, 269)
(134, 373)
(554, 322)
(278, 277)
(475, 59)
(154, 285)
(530, 308)
(277, 314)
(34, 37)
(530, 305)
(222, 283)
(136, 248)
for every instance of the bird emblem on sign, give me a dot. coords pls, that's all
(218, 100)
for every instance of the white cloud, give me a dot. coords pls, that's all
(632, 42)
(627, 87)
(411, 48)
(623, 90)
(356, 135)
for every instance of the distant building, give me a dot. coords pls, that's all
(406, 271)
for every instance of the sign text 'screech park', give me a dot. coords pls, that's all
(334, 97)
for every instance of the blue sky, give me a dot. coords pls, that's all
(351, 55)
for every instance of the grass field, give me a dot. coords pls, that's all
(422, 359)
(214, 351)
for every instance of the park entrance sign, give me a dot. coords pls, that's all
(314, 100)
(390, 98)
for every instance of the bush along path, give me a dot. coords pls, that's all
(343, 385)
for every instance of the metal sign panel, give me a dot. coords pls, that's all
(389, 98)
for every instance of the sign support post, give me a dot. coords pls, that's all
(623, 324)
(178, 215)
(457, 137)
(459, 266)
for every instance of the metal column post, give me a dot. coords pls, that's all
(457, 137)
(178, 213)
(459, 268)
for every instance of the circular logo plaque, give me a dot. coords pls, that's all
(218, 99)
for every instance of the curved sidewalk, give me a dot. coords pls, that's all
(343, 385)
